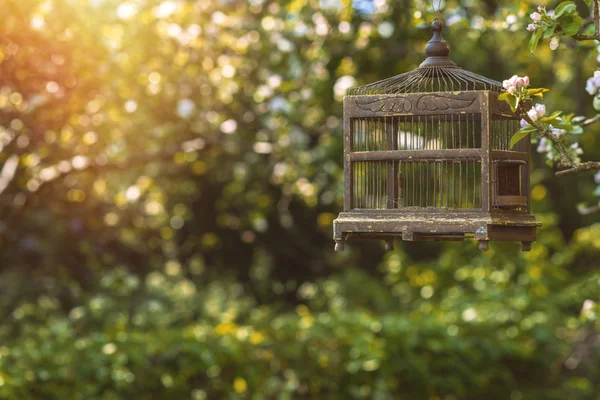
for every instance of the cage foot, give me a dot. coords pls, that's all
(339, 246)
(484, 245)
(526, 246)
(389, 245)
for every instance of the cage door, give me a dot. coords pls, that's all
(508, 184)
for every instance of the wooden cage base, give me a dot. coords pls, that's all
(387, 225)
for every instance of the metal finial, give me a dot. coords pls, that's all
(437, 49)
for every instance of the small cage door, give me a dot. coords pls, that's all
(508, 184)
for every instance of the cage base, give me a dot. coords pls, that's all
(501, 225)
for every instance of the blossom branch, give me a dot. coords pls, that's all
(580, 167)
(546, 132)
(596, 35)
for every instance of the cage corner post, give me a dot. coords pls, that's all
(486, 134)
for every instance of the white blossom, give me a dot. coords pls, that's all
(593, 83)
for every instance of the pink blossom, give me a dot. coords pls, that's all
(536, 112)
(541, 8)
(531, 27)
(536, 17)
(514, 83)
(524, 123)
(510, 82)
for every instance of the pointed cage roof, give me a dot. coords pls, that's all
(436, 74)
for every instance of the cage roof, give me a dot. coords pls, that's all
(436, 74)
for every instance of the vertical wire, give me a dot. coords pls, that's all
(363, 168)
(459, 133)
(440, 189)
(460, 169)
(426, 183)
(467, 183)
(421, 184)
(412, 168)
(434, 183)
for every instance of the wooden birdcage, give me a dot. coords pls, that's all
(427, 157)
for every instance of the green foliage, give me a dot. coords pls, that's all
(426, 327)
(535, 38)
(563, 21)
(521, 134)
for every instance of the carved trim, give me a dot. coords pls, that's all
(388, 105)
(435, 102)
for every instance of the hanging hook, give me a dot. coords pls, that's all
(436, 10)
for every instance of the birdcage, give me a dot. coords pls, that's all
(427, 157)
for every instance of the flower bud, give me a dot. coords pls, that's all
(540, 109)
(554, 43)
(536, 17)
(531, 27)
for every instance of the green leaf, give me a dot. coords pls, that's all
(597, 191)
(571, 24)
(576, 130)
(552, 117)
(596, 103)
(504, 96)
(535, 38)
(549, 31)
(513, 102)
(537, 90)
(589, 3)
(520, 134)
(566, 7)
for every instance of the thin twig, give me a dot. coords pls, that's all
(580, 167)
(596, 18)
(590, 121)
(596, 35)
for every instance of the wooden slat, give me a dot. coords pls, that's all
(511, 201)
(415, 104)
(510, 155)
(432, 155)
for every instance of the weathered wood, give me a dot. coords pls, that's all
(389, 245)
(348, 182)
(511, 201)
(510, 155)
(413, 155)
(415, 104)
(486, 149)
(408, 236)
